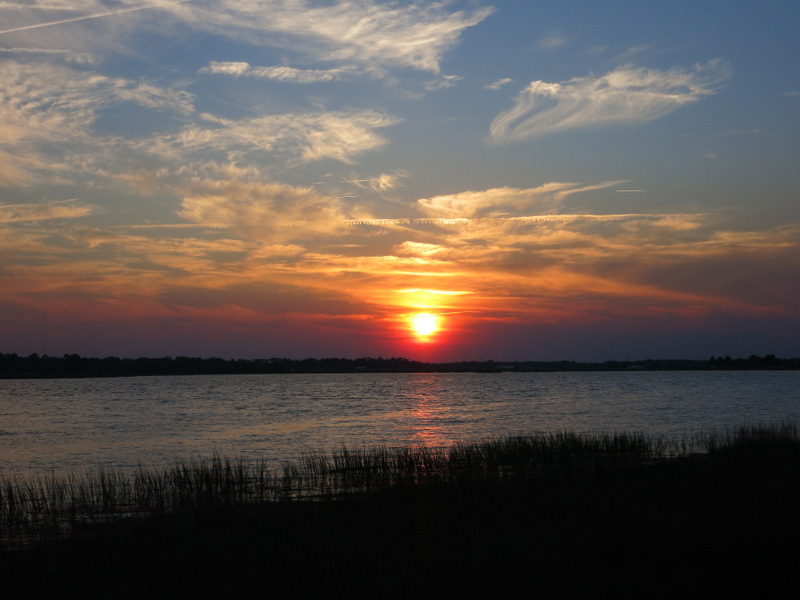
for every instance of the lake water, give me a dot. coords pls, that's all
(77, 424)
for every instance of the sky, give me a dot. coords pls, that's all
(560, 180)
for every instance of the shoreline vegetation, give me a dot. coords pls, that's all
(557, 515)
(74, 365)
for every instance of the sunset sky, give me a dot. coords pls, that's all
(560, 180)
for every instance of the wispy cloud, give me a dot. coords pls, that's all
(38, 5)
(99, 15)
(69, 56)
(497, 201)
(375, 35)
(625, 95)
(246, 240)
(687, 221)
(44, 107)
(260, 210)
(299, 136)
(498, 84)
(33, 51)
(670, 263)
(382, 183)
(149, 95)
(69, 209)
(554, 39)
(288, 74)
(49, 115)
(633, 51)
(445, 81)
(46, 102)
(52, 103)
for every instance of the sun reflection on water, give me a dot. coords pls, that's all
(429, 415)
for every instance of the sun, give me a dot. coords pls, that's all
(424, 325)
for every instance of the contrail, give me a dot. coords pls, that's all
(87, 17)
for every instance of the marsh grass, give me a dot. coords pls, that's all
(763, 436)
(558, 515)
(40, 508)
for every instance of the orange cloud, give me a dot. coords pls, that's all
(253, 251)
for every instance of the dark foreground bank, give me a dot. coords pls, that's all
(563, 516)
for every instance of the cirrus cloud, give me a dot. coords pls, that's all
(500, 201)
(289, 74)
(626, 95)
(49, 102)
(498, 84)
(11, 213)
(304, 137)
(377, 35)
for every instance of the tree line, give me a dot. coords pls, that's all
(74, 365)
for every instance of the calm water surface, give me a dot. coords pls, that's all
(78, 424)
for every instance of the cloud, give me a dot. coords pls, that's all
(585, 266)
(444, 82)
(259, 210)
(13, 213)
(499, 201)
(376, 35)
(19, 168)
(498, 84)
(69, 56)
(45, 102)
(305, 137)
(45, 106)
(288, 74)
(149, 95)
(33, 51)
(633, 51)
(82, 17)
(48, 117)
(673, 262)
(55, 103)
(625, 95)
(552, 40)
(246, 239)
(419, 249)
(383, 182)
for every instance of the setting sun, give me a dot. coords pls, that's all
(424, 324)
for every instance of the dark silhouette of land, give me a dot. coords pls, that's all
(564, 519)
(73, 365)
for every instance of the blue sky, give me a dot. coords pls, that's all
(550, 180)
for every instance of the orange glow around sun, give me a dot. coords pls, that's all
(424, 325)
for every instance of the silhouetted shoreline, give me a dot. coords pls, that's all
(559, 516)
(73, 365)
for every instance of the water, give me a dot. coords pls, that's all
(78, 424)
